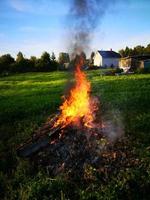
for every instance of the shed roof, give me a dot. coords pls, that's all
(109, 54)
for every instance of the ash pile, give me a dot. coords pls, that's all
(71, 150)
(63, 149)
(71, 153)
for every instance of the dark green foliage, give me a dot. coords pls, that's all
(118, 70)
(63, 58)
(28, 99)
(20, 57)
(138, 50)
(21, 65)
(5, 62)
(53, 57)
(143, 70)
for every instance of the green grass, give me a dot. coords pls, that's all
(26, 100)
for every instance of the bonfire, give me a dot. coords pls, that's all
(77, 137)
(79, 107)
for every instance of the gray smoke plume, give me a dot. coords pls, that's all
(85, 15)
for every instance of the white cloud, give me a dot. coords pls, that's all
(44, 7)
(20, 5)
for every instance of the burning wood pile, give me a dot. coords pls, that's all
(75, 138)
(76, 127)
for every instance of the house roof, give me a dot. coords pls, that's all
(109, 54)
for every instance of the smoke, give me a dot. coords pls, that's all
(84, 17)
(113, 126)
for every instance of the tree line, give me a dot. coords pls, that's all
(45, 63)
(138, 50)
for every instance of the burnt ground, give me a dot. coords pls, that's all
(80, 155)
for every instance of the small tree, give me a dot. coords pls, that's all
(63, 58)
(44, 62)
(92, 58)
(5, 62)
(147, 49)
(54, 63)
(127, 50)
(53, 57)
(140, 50)
(83, 55)
(20, 57)
(122, 53)
(45, 57)
(33, 61)
(22, 64)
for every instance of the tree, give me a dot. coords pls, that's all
(5, 62)
(33, 61)
(127, 50)
(139, 49)
(147, 50)
(44, 62)
(45, 58)
(83, 55)
(54, 63)
(53, 57)
(134, 52)
(63, 58)
(20, 57)
(92, 58)
(22, 64)
(7, 59)
(122, 52)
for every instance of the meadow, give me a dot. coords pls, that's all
(26, 100)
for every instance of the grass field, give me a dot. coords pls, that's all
(26, 100)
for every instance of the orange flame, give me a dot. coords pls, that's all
(79, 107)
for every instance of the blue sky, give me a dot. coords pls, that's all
(34, 26)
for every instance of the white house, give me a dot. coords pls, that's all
(106, 59)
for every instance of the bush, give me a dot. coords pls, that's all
(118, 70)
(5, 62)
(143, 70)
